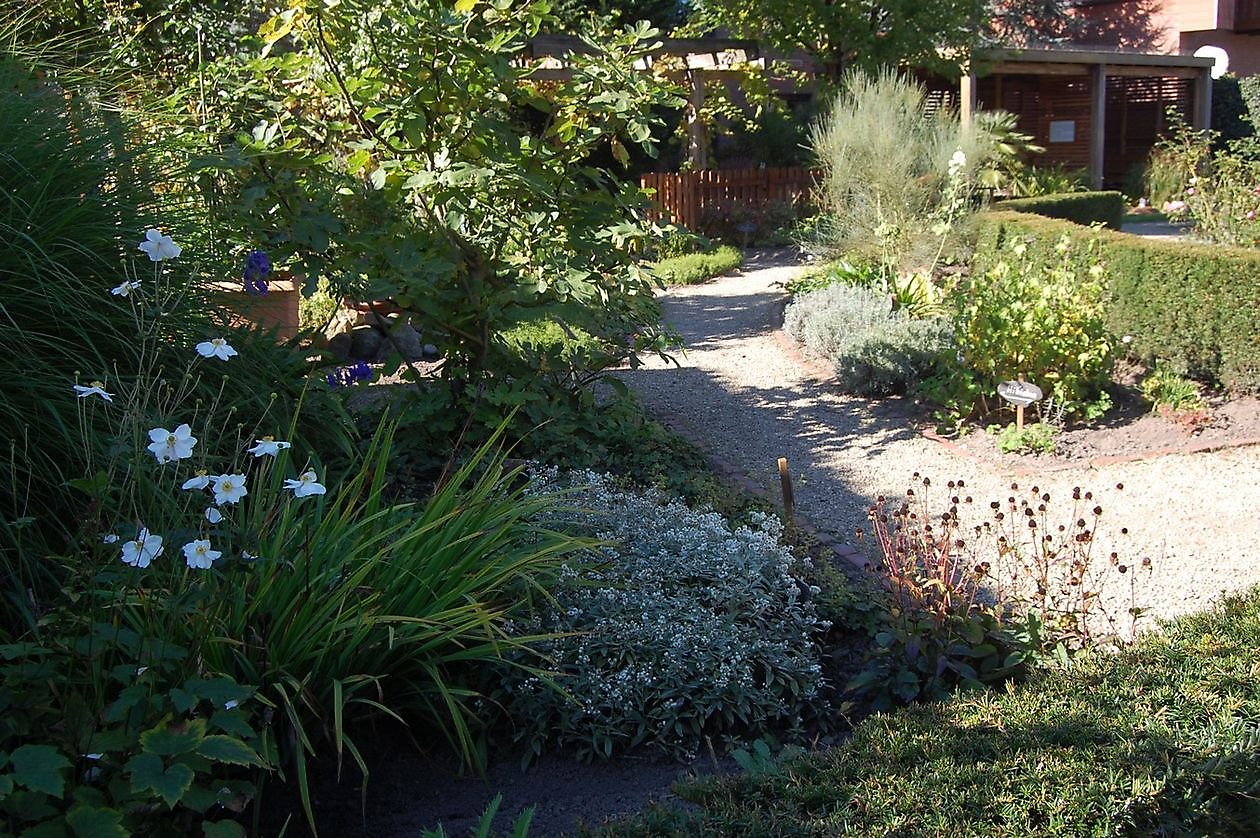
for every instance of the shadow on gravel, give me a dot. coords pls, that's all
(722, 319)
(747, 429)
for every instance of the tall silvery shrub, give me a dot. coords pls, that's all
(892, 160)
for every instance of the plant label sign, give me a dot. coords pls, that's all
(1020, 393)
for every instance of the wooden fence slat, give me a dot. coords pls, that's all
(683, 197)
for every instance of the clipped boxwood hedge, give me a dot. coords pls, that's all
(1086, 208)
(698, 267)
(1195, 306)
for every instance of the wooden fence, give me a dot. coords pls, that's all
(683, 197)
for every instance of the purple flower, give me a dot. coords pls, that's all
(257, 269)
(347, 376)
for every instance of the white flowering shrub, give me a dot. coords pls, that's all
(678, 627)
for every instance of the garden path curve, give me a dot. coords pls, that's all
(745, 395)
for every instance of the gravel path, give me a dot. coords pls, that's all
(746, 399)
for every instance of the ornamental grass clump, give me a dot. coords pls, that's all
(678, 627)
(974, 601)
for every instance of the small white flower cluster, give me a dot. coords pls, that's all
(681, 627)
(172, 446)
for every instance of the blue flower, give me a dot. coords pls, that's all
(257, 269)
(347, 376)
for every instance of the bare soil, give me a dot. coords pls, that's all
(1131, 432)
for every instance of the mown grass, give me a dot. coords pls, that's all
(1160, 739)
(698, 267)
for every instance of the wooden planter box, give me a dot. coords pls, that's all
(277, 309)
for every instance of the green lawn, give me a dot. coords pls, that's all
(1161, 739)
(698, 267)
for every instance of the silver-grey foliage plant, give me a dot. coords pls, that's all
(877, 351)
(682, 627)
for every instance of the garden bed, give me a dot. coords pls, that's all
(1129, 432)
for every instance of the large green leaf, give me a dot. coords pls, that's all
(229, 750)
(173, 739)
(40, 768)
(96, 822)
(148, 773)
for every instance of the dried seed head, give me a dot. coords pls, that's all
(1076, 493)
(1124, 530)
(1120, 487)
(1146, 562)
(1097, 510)
(1123, 568)
(995, 505)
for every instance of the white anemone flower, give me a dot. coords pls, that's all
(96, 388)
(200, 480)
(213, 515)
(306, 484)
(229, 488)
(159, 247)
(216, 348)
(143, 550)
(268, 447)
(125, 288)
(198, 555)
(109, 538)
(168, 446)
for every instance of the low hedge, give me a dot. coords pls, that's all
(1195, 306)
(1159, 739)
(1082, 207)
(698, 267)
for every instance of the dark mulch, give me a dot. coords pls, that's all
(410, 792)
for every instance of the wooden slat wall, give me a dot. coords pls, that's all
(1039, 100)
(682, 197)
(1136, 118)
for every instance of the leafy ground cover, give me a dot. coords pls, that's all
(691, 268)
(1157, 739)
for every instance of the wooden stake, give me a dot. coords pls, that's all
(1019, 413)
(785, 481)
